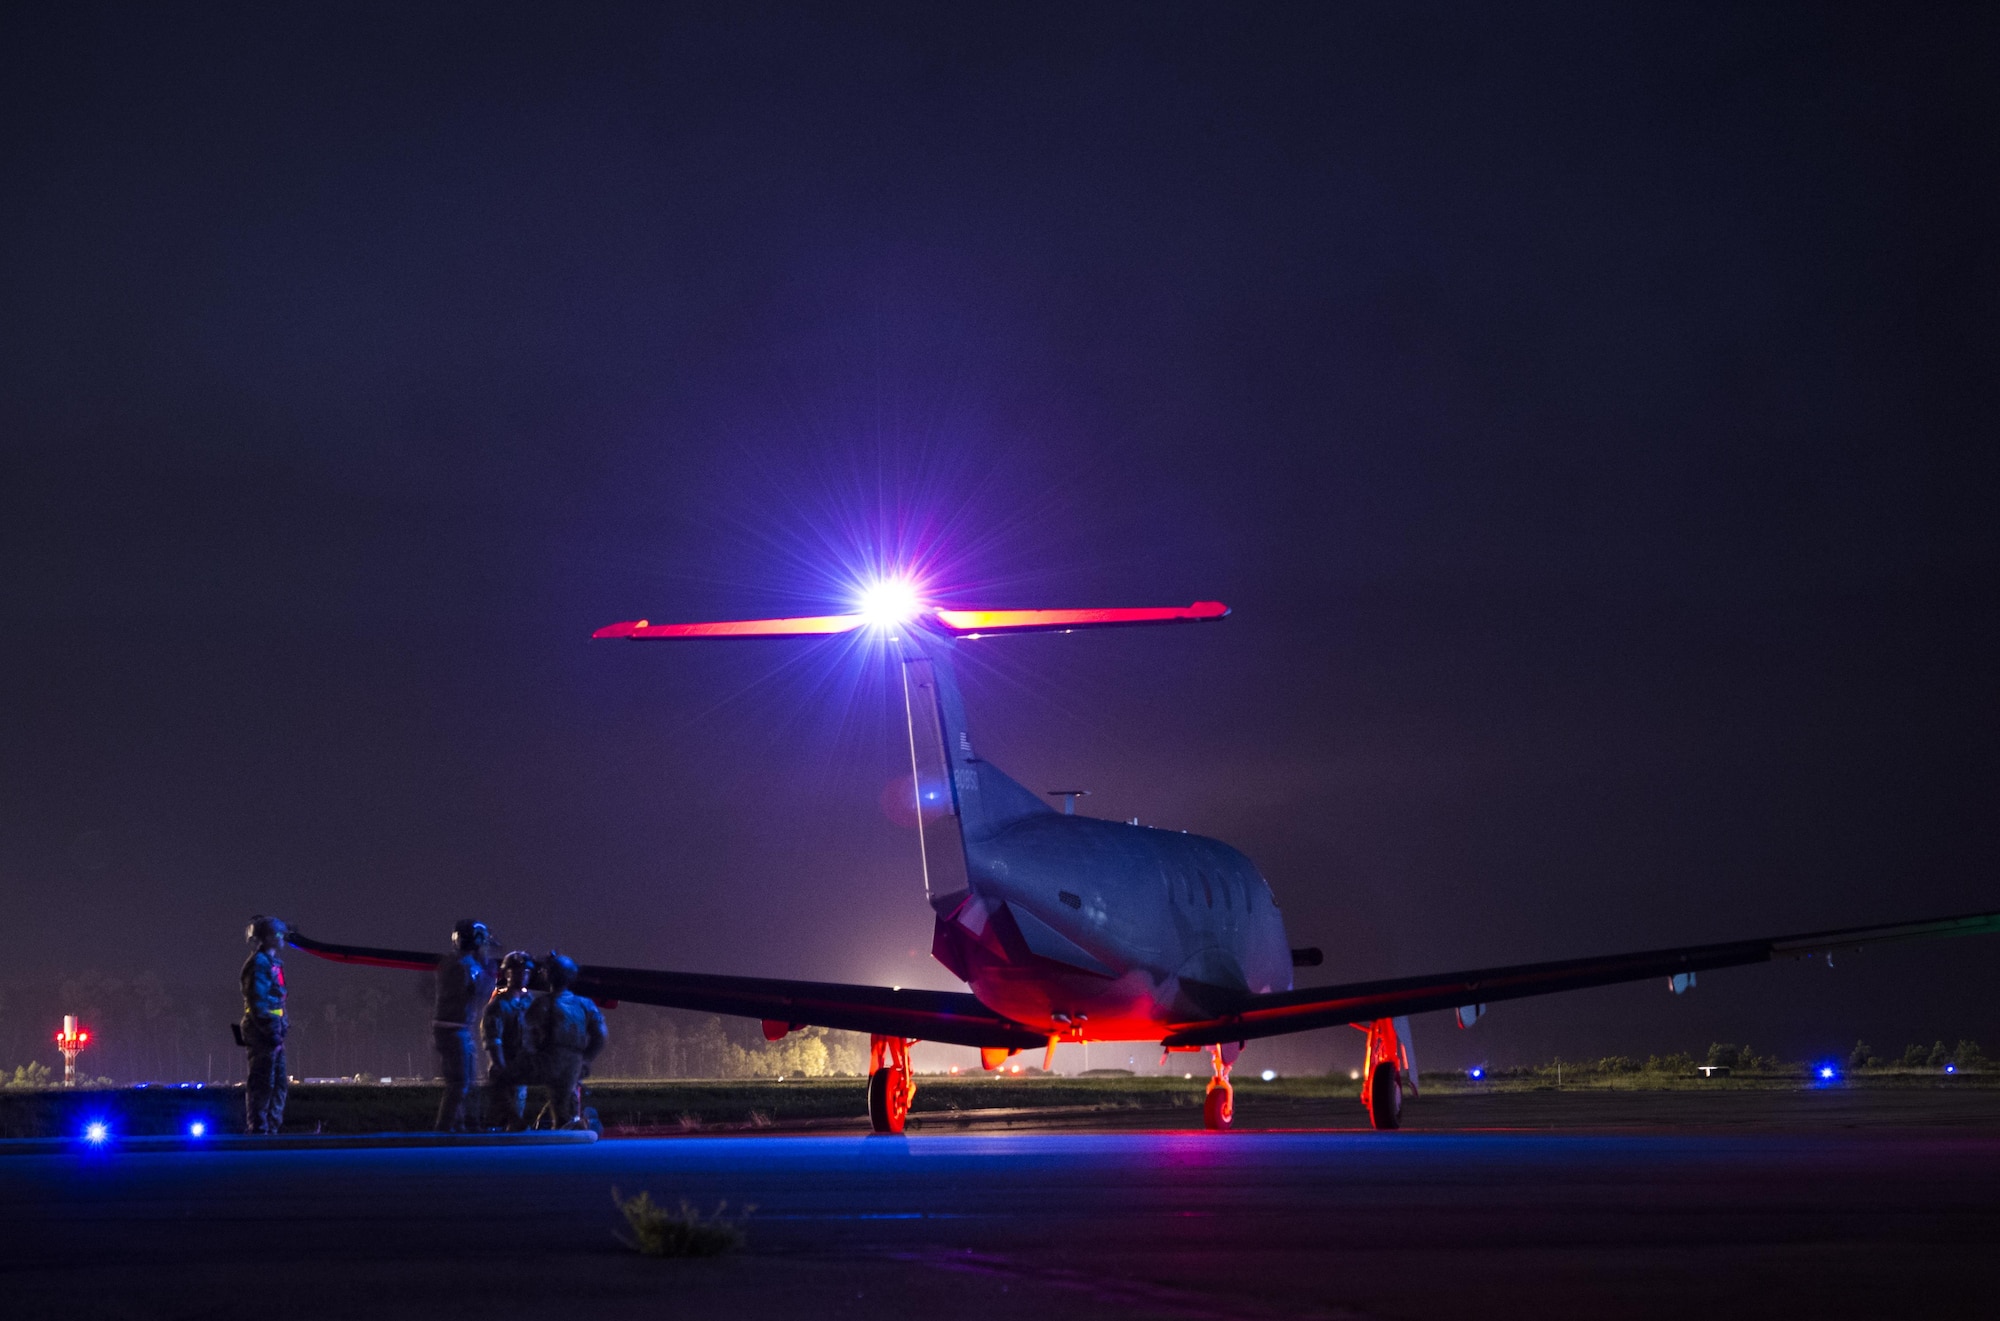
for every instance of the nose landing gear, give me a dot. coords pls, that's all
(891, 1083)
(1218, 1108)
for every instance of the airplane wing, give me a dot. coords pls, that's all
(374, 958)
(952, 1017)
(1362, 1002)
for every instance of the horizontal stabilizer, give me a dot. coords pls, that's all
(810, 626)
(1062, 621)
(935, 619)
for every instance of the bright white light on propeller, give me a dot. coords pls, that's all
(891, 602)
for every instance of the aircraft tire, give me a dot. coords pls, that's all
(888, 1104)
(1218, 1108)
(1385, 1097)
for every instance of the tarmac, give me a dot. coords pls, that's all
(1843, 1218)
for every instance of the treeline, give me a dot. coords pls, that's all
(658, 1043)
(142, 1026)
(146, 1029)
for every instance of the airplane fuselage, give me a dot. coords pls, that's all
(1099, 930)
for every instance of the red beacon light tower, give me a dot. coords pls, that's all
(70, 1041)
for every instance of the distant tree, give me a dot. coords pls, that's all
(1939, 1056)
(26, 1075)
(1725, 1056)
(1915, 1054)
(1966, 1055)
(1861, 1057)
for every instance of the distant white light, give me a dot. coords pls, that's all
(890, 602)
(1269, 1075)
(96, 1132)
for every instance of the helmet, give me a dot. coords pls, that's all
(517, 966)
(562, 971)
(262, 927)
(469, 935)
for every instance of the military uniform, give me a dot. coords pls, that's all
(464, 981)
(510, 1055)
(267, 1085)
(568, 1032)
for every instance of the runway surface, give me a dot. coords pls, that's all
(1110, 1225)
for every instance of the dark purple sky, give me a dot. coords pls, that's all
(1585, 411)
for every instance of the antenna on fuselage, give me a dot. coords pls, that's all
(1069, 797)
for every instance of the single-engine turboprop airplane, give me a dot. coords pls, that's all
(1069, 928)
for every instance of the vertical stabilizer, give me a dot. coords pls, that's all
(984, 799)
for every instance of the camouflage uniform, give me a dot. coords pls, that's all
(265, 1089)
(464, 981)
(568, 1032)
(509, 1054)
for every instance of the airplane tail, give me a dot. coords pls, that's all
(960, 797)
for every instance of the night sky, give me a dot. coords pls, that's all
(1585, 411)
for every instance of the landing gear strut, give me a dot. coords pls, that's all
(1218, 1108)
(891, 1083)
(1388, 1063)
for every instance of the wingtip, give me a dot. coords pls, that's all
(628, 628)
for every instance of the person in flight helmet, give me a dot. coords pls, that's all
(568, 1032)
(503, 1030)
(465, 980)
(262, 1032)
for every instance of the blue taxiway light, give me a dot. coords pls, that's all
(96, 1132)
(1477, 1074)
(197, 1129)
(1951, 1068)
(1826, 1070)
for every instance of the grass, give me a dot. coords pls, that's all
(700, 1105)
(682, 1232)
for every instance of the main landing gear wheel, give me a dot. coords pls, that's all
(888, 1100)
(892, 1084)
(1218, 1108)
(1385, 1096)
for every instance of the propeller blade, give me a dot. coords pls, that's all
(811, 626)
(1046, 621)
